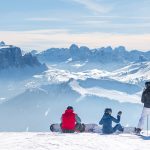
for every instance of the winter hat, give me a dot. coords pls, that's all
(147, 84)
(108, 110)
(69, 107)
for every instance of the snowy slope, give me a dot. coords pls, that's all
(107, 93)
(133, 73)
(84, 141)
(42, 98)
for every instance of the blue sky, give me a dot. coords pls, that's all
(41, 24)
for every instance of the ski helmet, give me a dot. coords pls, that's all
(69, 107)
(147, 84)
(108, 110)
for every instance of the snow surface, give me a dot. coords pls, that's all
(82, 141)
(111, 94)
(5, 46)
(54, 75)
(133, 73)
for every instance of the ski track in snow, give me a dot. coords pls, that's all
(82, 141)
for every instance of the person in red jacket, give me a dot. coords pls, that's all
(71, 122)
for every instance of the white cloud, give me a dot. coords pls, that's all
(94, 6)
(43, 39)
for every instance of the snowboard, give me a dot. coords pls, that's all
(90, 128)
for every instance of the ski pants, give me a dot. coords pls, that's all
(145, 113)
(114, 129)
(117, 127)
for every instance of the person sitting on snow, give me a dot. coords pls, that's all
(71, 122)
(107, 120)
(146, 109)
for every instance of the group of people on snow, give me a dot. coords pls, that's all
(71, 122)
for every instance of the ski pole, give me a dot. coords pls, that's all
(147, 124)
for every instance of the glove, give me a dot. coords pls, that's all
(120, 113)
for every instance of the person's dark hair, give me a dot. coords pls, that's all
(107, 110)
(69, 107)
(147, 84)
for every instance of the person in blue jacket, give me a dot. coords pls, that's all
(107, 120)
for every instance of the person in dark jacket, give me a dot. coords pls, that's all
(107, 120)
(71, 122)
(146, 109)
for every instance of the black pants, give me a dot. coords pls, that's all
(68, 131)
(79, 127)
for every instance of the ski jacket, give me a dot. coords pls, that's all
(68, 120)
(146, 97)
(106, 121)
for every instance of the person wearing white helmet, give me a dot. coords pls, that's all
(146, 109)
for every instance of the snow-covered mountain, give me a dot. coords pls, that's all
(43, 98)
(133, 73)
(11, 56)
(86, 79)
(37, 107)
(2, 43)
(101, 55)
(14, 63)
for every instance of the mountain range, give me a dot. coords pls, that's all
(101, 55)
(88, 79)
(11, 56)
